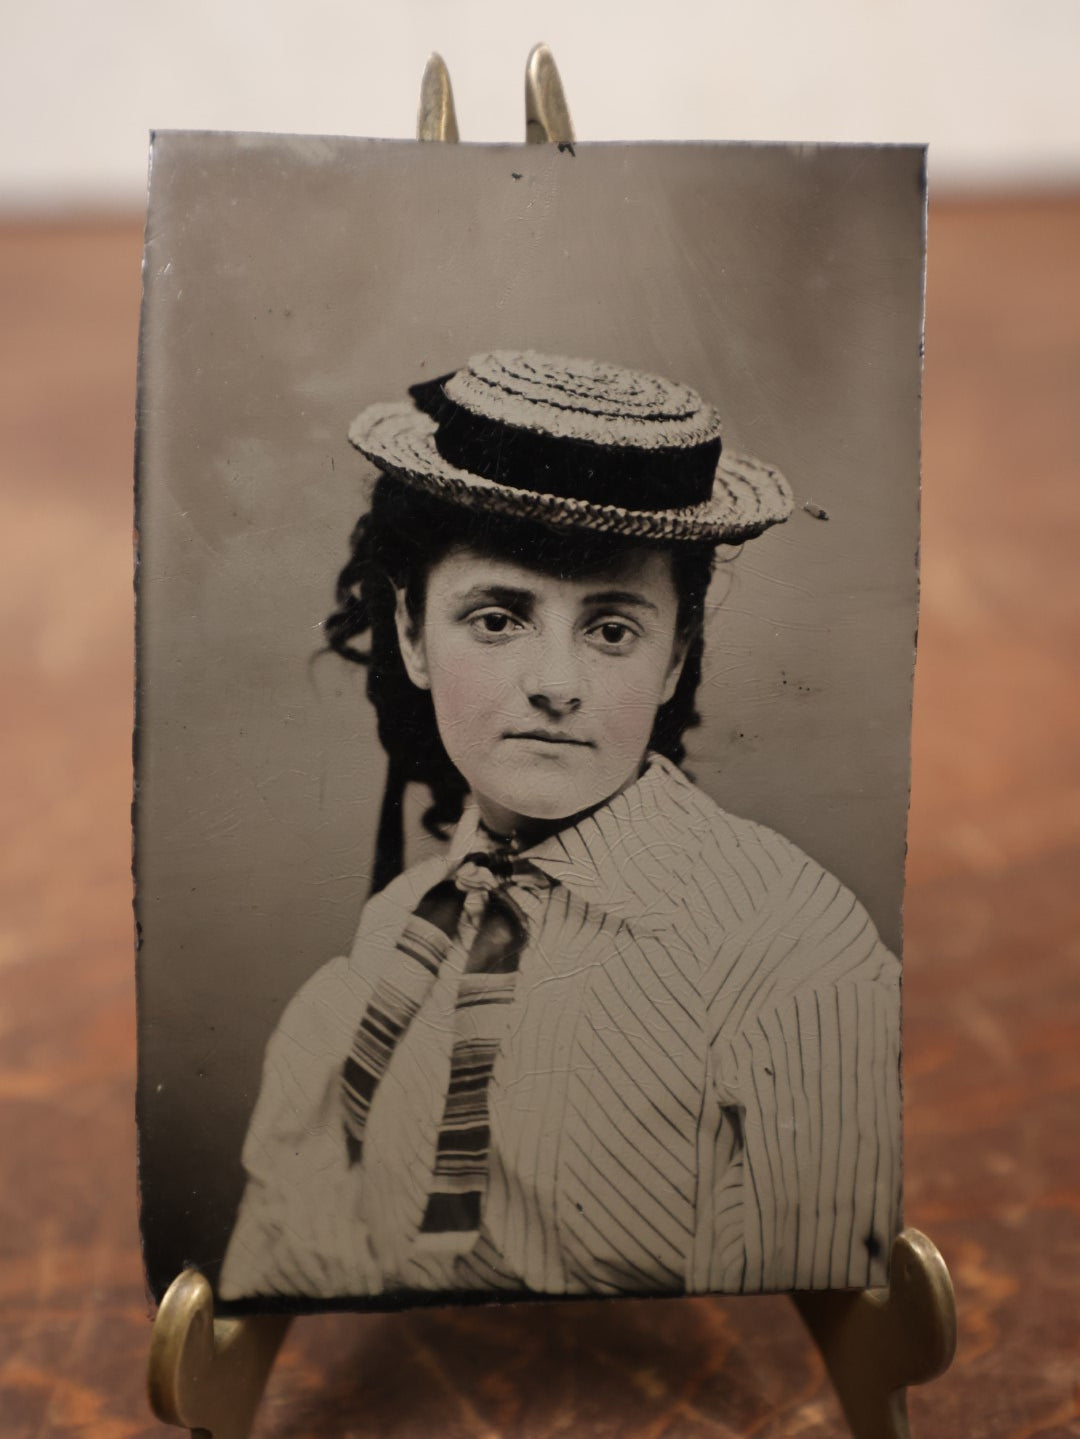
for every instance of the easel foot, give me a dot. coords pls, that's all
(876, 1342)
(207, 1375)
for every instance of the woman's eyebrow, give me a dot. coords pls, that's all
(504, 595)
(620, 597)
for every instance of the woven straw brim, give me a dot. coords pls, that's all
(747, 496)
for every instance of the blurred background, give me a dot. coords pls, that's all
(991, 84)
(992, 956)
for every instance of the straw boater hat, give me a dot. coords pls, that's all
(577, 444)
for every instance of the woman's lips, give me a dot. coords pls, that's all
(548, 737)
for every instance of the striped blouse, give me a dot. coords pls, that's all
(697, 1091)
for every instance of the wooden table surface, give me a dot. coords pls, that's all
(993, 916)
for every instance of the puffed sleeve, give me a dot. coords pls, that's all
(299, 1229)
(804, 1094)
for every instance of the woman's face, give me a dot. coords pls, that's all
(545, 689)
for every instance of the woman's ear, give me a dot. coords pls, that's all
(411, 644)
(678, 658)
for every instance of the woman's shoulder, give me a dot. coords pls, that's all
(784, 900)
(385, 912)
(326, 1004)
(717, 836)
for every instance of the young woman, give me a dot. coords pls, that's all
(614, 1040)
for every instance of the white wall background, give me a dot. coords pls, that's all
(993, 85)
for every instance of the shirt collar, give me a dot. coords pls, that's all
(590, 857)
(468, 835)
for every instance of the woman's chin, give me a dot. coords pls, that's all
(520, 807)
(543, 789)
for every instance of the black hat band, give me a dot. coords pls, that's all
(662, 478)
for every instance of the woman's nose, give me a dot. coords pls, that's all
(553, 681)
(555, 701)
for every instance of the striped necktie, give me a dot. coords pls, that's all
(475, 908)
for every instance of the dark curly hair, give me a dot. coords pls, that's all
(394, 546)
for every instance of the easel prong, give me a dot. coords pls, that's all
(436, 118)
(877, 1342)
(207, 1375)
(547, 116)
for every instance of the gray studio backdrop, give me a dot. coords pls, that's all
(292, 281)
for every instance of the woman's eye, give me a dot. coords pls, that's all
(493, 624)
(614, 635)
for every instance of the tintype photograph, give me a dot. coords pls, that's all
(527, 545)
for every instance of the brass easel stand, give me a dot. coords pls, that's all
(207, 1375)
